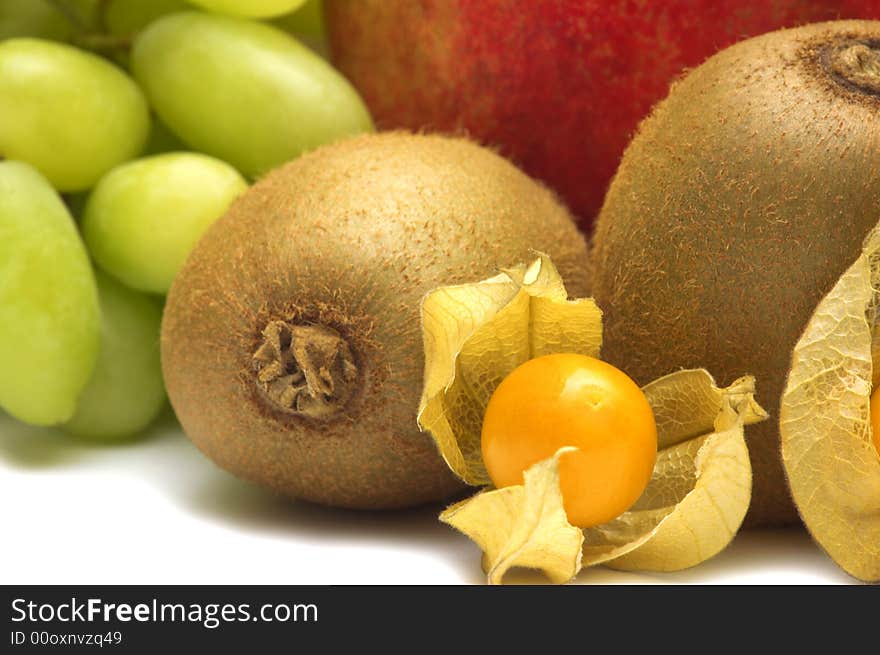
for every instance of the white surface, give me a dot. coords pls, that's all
(157, 512)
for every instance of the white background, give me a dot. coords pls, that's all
(155, 511)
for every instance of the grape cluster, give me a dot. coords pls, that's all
(127, 127)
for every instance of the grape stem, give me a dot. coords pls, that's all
(103, 42)
(69, 14)
(101, 16)
(94, 38)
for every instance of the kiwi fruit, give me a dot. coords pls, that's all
(740, 201)
(291, 341)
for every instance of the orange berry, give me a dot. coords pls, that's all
(573, 400)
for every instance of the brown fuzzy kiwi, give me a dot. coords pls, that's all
(291, 341)
(740, 201)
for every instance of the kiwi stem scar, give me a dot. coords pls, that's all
(856, 64)
(305, 370)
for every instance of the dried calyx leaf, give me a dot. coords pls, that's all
(829, 457)
(475, 335)
(701, 486)
(522, 525)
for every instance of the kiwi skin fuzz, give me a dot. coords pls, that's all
(741, 200)
(332, 254)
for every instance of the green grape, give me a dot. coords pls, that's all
(125, 17)
(243, 91)
(125, 392)
(49, 316)
(250, 8)
(70, 114)
(144, 217)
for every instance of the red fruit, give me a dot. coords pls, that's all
(559, 86)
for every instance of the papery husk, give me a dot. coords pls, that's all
(476, 334)
(701, 486)
(832, 466)
(700, 491)
(522, 525)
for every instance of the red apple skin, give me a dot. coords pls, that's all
(558, 86)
